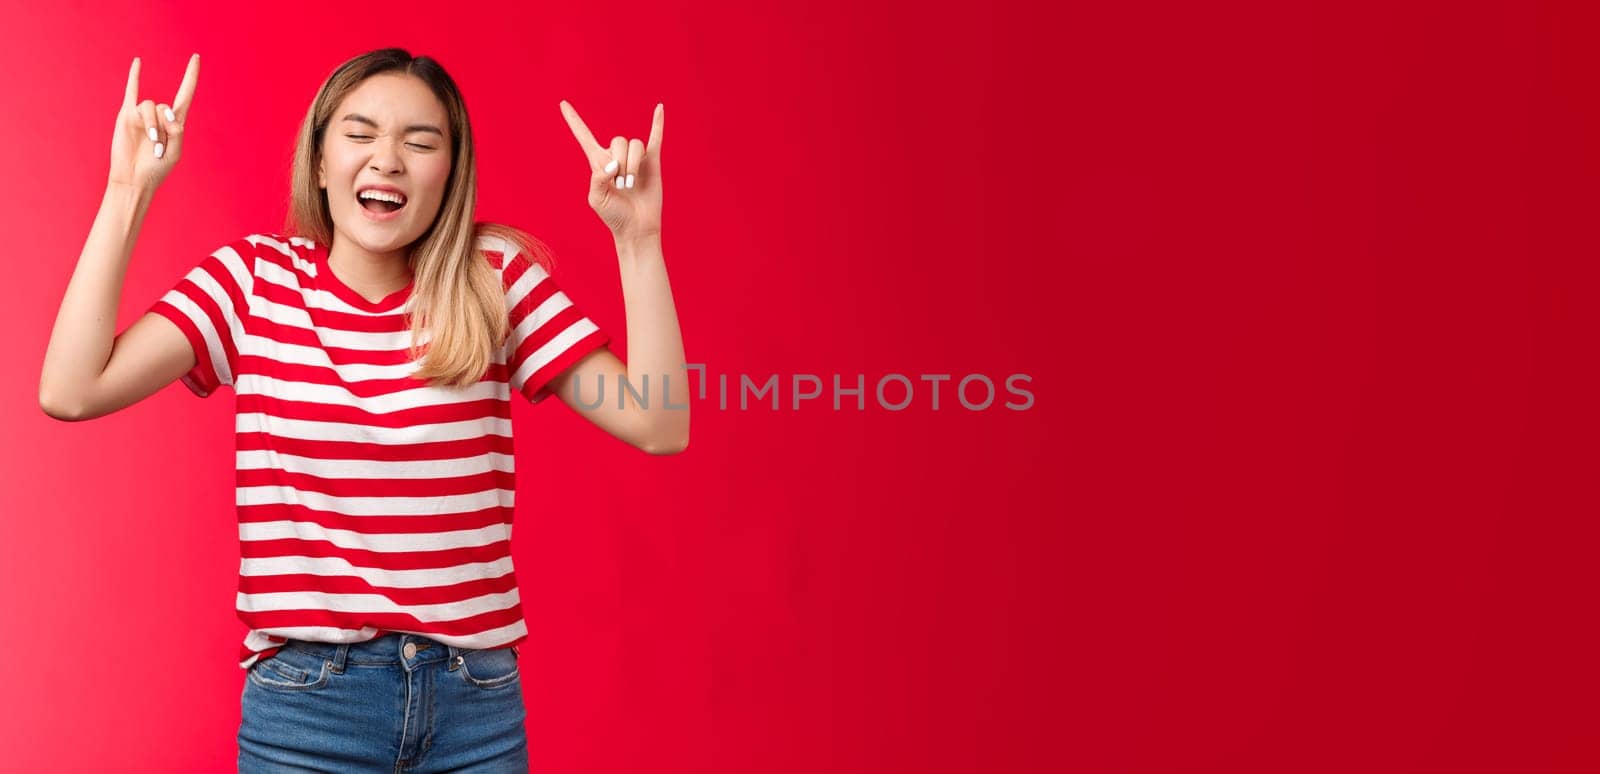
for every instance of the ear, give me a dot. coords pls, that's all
(322, 177)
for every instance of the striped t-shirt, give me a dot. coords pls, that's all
(369, 502)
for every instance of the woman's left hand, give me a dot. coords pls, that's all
(624, 180)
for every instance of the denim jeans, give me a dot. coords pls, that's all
(398, 703)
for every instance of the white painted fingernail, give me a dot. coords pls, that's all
(170, 116)
(152, 131)
(160, 149)
(612, 167)
(619, 181)
(630, 181)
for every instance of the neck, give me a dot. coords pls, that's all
(372, 274)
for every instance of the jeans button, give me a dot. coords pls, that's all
(410, 650)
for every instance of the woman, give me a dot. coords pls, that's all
(372, 349)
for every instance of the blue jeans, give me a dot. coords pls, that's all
(398, 703)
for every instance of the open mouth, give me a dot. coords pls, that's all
(381, 202)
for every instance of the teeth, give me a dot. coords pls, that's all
(381, 196)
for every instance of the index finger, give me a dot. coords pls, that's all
(130, 97)
(180, 103)
(580, 130)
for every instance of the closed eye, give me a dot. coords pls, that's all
(368, 137)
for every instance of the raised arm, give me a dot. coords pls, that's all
(88, 371)
(625, 191)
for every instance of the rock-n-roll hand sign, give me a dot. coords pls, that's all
(149, 137)
(624, 180)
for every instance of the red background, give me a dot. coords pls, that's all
(1306, 296)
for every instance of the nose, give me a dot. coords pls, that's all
(385, 159)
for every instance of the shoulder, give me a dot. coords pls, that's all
(511, 258)
(494, 243)
(502, 253)
(235, 259)
(274, 256)
(275, 244)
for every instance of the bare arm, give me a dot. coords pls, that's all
(625, 190)
(88, 371)
(655, 367)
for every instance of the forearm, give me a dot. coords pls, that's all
(655, 342)
(85, 327)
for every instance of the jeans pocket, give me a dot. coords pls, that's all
(490, 668)
(291, 670)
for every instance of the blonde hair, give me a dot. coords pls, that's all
(457, 297)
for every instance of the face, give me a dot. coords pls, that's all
(390, 132)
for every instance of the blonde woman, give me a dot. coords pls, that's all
(373, 346)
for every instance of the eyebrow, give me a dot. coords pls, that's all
(357, 117)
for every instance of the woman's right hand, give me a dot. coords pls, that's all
(149, 137)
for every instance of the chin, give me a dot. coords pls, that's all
(378, 238)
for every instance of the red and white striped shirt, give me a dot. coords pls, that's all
(368, 501)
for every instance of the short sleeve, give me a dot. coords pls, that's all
(208, 304)
(549, 332)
